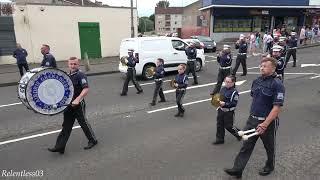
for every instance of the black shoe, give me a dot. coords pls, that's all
(163, 100)
(139, 92)
(265, 171)
(233, 172)
(195, 83)
(177, 115)
(61, 151)
(217, 142)
(153, 104)
(91, 144)
(294, 66)
(123, 94)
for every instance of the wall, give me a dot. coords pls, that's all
(58, 27)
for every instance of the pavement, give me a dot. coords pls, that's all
(9, 74)
(142, 142)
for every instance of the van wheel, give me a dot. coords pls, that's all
(144, 72)
(198, 65)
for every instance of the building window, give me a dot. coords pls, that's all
(168, 24)
(167, 29)
(174, 29)
(159, 22)
(233, 24)
(175, 22)
(168, 17)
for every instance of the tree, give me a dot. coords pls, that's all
(163, 4)
(151, 17)
(145, 25)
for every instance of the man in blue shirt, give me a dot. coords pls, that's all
(21, 55)
(292, 43)
(191, 52)
(267, 93)
(131, 74)
(48, 59)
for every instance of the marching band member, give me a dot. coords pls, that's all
(292, 43)
(159, 74)
(276, 54)
(191, 52)
(76, 110)
(225, 118)
(131, 74)
(225, 60)
(242, 45)
(48, 58)
(267, 99)
(181, 84)
(282, 43)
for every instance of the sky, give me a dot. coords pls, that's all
(146, 7)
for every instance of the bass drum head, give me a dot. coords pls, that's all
(22, 88)
(49, 91)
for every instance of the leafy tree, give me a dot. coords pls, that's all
(163, 4)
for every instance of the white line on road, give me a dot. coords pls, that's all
(314, 77)
(7, 105)
(168, 80)
(33, 136)
(200, 86)
(187, 104)
(284, 73)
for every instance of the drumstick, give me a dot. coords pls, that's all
(246, 137)
(56, 107)
(241, 133)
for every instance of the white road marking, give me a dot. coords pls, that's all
(168, 80)
(200, 86)
(211, 56)
(33, 136)
(211, 61)
(314, 77)
(7, 105)
(310, 65)
(284, 73)
(187, 104)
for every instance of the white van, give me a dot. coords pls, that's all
(149, 49)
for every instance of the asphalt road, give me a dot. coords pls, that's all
(137, 141)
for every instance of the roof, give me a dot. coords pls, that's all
(79, 2)
(240, 6)
(169, 10)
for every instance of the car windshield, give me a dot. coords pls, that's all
(203, 38)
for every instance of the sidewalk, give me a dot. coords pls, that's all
(9, 74)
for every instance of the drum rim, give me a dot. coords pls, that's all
(33, 78)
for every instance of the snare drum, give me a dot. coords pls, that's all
(47, 91)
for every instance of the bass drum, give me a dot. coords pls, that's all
(47, 91)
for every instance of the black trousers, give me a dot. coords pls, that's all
(179, 97)
(131, 76)
(269, 142)
(241, 59)
(69, 116)
(158, 90)
(191, 67)
(21, 66)
(225, 120)
(223, 73)
(293, 53)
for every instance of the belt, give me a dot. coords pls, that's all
(130, 67)
(191, 59)
(259, 118)
(293, 48)
(181, 89)
(158, 79)
(228, 67)
(242, 53)
(227, 109)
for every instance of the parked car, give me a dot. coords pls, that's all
(149, 49)
(209, 44)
